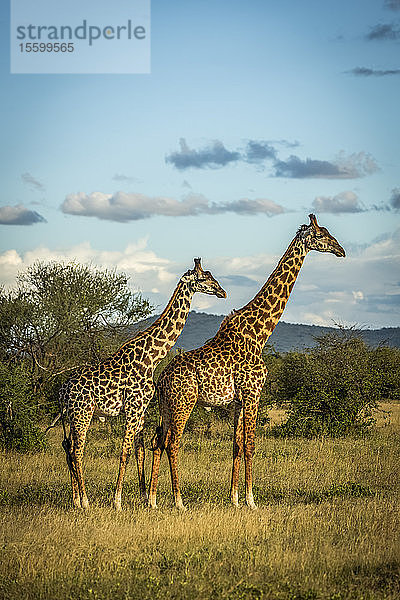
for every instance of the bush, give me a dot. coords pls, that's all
(331, 389)
(19, 427)
(60, 316)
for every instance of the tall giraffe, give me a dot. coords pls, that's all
(123, 383)
(230, 367)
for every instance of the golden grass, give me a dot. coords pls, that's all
(326, 528)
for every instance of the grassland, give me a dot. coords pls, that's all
(327, 526)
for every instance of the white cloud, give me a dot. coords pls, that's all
(154, 276)
(138, 261)
(124, 207)
(19, 215)
(345, 202)
(358, 295)
(363, 288)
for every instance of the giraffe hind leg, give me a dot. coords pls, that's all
(158, 446)
(249, 425)
(69, 450)
(172, 444)
(237, 453)
(78, 445)
(140, 456)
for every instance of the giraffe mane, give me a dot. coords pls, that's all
(228, 318)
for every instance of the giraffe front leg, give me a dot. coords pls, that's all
(249, 426)
(237, 453)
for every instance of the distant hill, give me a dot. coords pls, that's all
(200, 327)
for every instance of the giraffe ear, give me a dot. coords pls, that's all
(313, 221)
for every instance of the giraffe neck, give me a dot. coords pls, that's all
(259, 317)
(157, 340)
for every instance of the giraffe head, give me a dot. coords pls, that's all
(203, 281)
(319, 238)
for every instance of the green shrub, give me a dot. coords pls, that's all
(333, 388)
(19, 427)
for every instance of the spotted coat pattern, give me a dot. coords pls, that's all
(123, 383)
(229, 367)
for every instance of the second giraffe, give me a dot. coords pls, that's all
(229, 367)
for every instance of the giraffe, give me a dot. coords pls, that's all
(123, 383)
(229, 367)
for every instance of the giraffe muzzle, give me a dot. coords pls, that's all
(339, 251)
(220, 293)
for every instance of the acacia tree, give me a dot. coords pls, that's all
(58, 317)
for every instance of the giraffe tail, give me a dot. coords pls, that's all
(157, 440)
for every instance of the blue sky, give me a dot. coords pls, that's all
(255, 114)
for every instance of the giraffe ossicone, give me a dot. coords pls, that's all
(229, 367)
(123, 383)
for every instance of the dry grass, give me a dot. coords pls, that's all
(326, 528)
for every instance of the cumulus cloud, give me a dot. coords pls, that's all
(366, 72)
(345, 202)
(387, 31)
(250, 207)
(344, 167)
(19, 215)
(258, 151)
(213, 156)
(395, 199)
(32, 182)
(392, 4)
(363, 288)
(124, 207)
(154, 276)
(141, 263)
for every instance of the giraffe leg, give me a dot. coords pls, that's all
(249, 426)
(237, 453)
(79, 438)
(76, 499)
(140, 455)
(123, 462)
(158, 449)
(172, 448)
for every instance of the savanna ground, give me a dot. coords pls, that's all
(327, 526)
